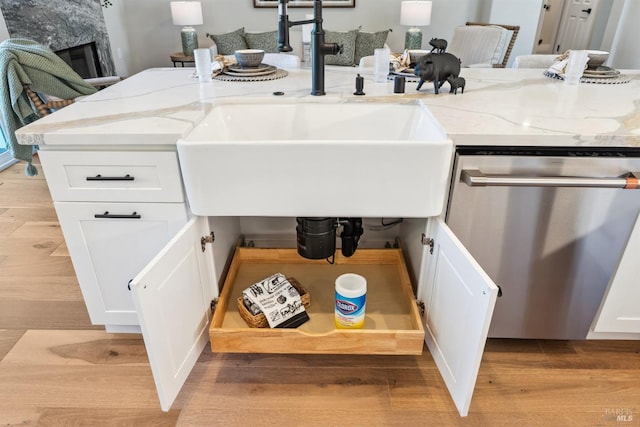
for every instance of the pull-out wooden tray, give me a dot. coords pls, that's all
(392, 323)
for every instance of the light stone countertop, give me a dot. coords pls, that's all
(499, 107)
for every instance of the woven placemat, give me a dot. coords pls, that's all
(615, 80)
(278, 74)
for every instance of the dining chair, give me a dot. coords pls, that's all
(282, 60)
(28, 71)
(534, 61)
(479, 44)
(45, 104)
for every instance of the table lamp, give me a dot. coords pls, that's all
(414, 14)
(187, 13)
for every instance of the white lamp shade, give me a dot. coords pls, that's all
(186, 13)
(415, 13)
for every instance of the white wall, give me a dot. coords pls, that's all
(115, 18)
(615, 17)
(626, 48)
(603, 12)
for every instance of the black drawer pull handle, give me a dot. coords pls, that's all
(134, 215)
(99, 177)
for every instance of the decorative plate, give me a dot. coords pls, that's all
(601, 72)
(277, 74)
(261, 70)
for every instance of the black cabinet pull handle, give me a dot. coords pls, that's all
(134, 215)
(99, 177)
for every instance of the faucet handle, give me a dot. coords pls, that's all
(332, 49)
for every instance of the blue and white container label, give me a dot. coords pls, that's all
(350, 312)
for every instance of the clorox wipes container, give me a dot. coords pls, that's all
(351, 300)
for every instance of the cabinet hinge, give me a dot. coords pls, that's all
(428, 241)
(214, 304)
(421, 308)
(207, 239)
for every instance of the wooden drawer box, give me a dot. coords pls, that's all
(105, 176)
(392, 324)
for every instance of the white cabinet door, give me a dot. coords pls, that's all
(172, 296)
(109, 244)
(620, 308)
(459, 299)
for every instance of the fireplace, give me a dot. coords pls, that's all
(66, 27)
(83, 60)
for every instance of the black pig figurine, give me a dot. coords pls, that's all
(437, 68)
(439, 45)
(456, 83)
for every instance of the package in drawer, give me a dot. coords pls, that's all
(255, 317)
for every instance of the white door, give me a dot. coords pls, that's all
(459, 299)
(173, 294)
(109, 244)
(620, 308)
(548, 25)
(576, 25)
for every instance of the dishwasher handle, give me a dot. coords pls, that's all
(475, 178)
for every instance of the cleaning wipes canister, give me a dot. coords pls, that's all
(351, 300)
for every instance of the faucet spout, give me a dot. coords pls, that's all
(319, 48)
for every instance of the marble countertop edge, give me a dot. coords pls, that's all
(499, 107)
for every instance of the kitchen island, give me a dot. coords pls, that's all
(113, 172)
(499, 107)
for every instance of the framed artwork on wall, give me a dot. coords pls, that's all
(305, 3)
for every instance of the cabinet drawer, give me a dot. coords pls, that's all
(109, 244)
(104, 176)
(392, 321)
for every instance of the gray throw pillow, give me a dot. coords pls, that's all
(367, 43)
(348, 40)
(229, 42)
(266, 41)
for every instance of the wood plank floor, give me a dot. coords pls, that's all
(56, 369)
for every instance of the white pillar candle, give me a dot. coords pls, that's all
(203, 64)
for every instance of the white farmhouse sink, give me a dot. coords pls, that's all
(303, 158)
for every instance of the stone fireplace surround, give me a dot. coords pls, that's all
(61, 25)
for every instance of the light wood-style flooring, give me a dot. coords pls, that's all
(56, 369)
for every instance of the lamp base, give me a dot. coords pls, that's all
(189, 40)
(413, 39)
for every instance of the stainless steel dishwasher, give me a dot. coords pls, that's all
(549, 226)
